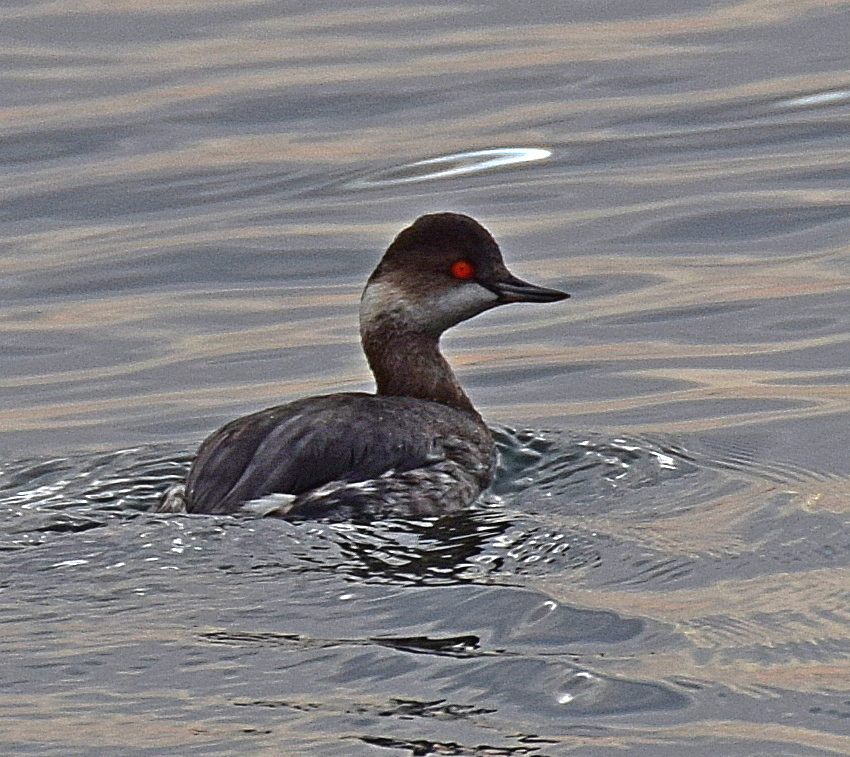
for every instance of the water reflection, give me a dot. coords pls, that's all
(815, 99)
(449, 166)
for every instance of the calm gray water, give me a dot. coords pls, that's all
(193, 195)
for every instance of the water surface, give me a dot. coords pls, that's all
(194, 196)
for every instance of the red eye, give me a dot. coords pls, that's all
(462, 270)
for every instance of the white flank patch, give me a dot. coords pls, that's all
(278, 504)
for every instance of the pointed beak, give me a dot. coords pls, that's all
(516, 290)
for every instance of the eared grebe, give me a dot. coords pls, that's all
(417, 447)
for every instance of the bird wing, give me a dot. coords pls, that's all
(294, 448)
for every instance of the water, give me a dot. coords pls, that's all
(194, 196)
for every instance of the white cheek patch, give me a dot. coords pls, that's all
(458, 304)
(432, 311)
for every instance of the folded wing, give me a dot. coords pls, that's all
(294, 448)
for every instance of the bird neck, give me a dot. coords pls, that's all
(409, 364)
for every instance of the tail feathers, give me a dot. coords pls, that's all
(173, 500)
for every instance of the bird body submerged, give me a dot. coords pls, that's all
(417, 447)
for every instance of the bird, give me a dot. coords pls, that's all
(417, 447)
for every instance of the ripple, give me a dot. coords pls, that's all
(449, 166)
(82, 492)
(629, 510)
